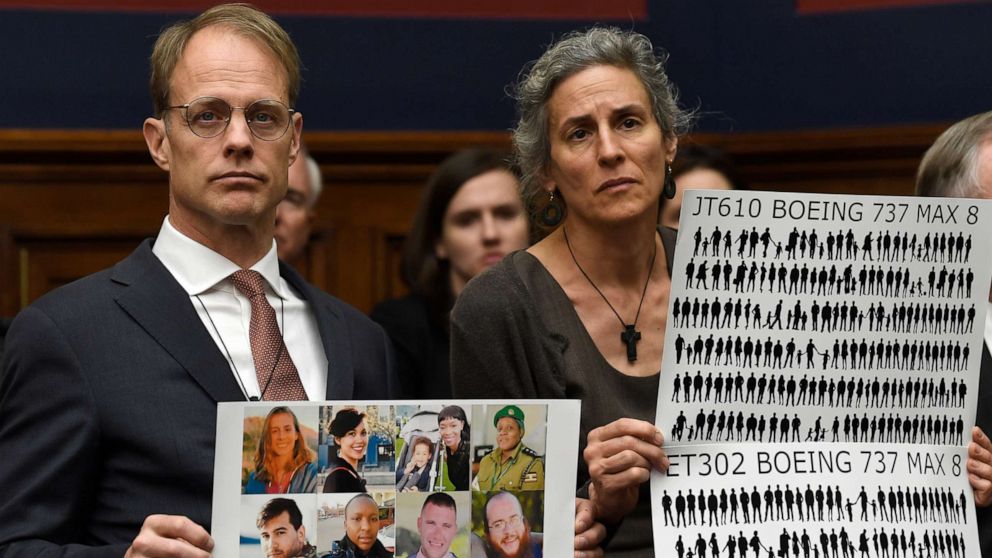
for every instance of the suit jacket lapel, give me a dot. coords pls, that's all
(334, 335)
(160, 305)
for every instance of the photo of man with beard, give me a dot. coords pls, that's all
(507, 529)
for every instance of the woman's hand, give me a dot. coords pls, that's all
(620, 456)
(980, 467)
(588, 532)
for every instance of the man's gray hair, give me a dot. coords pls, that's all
(950, 167)
(316, 180)
(577, 51)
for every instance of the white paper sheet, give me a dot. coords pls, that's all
(759, 392)
(551, 430)
(911, 492)
(879, 377)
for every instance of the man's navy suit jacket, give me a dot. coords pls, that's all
(108, 401)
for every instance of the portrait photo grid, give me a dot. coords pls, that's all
(376, 477)
(803, 323)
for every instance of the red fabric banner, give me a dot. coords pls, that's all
(582, 10)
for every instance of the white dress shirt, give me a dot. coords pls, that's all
(226, 313)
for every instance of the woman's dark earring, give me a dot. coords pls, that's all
(553, 212)
(669, 191)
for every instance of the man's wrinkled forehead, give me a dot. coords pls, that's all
(203, 58)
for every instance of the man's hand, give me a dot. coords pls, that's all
(620, 456)
(588, 533)
(980, 467)
(170, 536)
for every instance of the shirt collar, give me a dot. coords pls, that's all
(197, 268)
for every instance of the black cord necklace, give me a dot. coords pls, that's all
(230, 359)
(630, 336)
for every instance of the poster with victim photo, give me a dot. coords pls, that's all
(384, 479)
(808, 318)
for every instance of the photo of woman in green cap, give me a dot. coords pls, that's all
(511, 465)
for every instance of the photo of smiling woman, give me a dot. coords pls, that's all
(283, 461)
(455, 435)
(351, 438)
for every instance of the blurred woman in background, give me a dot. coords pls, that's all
(469, 217)
(699, 167)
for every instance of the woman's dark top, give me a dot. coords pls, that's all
(421, 347)
(342, 477)
(515, 334)
(349, 550)
(457, 464)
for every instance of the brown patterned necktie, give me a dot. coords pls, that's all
(277, 376)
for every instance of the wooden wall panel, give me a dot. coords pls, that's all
(48, 263)
(73, 202)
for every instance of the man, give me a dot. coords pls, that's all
(280, 526)
(361, 529)
(507, 530)
(295, 214)
(959, 164)
(512, 465)
(109, 394)
(437, 525)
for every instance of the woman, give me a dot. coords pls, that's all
(581, 314)
(283, 461)
(511, 465)
(469, 217)
(415, 477)
(361, 530)
(455, 435)
(351, 437)
(699, 167)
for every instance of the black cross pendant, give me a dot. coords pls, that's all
(630, 336)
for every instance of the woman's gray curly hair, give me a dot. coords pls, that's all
(577, 51)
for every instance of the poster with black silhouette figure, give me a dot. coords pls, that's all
(815, 500)
(808, 318)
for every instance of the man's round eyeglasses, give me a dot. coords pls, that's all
(208, 117)
(502, 524)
